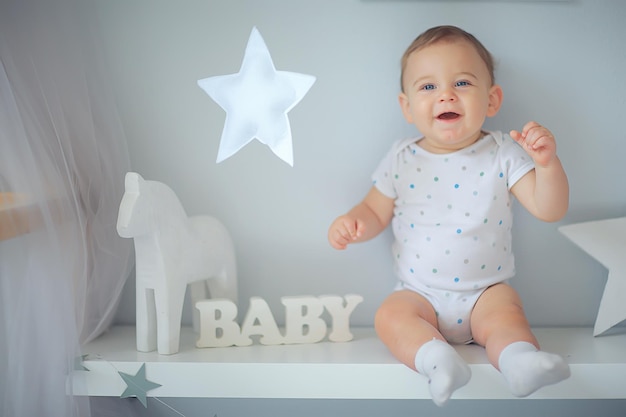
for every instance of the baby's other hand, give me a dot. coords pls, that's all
(537, 141)
(344, 230)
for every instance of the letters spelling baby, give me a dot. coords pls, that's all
(303, 322)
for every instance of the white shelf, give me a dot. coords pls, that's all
(359, 369)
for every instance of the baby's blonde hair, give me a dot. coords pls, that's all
(447, 34)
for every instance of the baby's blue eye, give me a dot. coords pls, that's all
(462, 83)
(428, 87)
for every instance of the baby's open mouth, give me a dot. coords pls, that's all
(448, 116)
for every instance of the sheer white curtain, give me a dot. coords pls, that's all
(63, 158)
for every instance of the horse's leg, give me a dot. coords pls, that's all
(198, 292)
(169, 303)
(145, 318)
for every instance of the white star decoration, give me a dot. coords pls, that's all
(605, 240)
(257, 100)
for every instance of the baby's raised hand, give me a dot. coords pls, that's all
(537, 141)
(344, 230)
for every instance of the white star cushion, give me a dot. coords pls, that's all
(257, 100)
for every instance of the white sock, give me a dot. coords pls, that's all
(445, 369)
(527, 369)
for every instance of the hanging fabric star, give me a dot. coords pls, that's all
(138, 385)
(257, 100)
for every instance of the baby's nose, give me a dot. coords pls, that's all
(447, 95)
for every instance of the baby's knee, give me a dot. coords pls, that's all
(403, 306)
(391, 313)
(384, 315)
(395, 310)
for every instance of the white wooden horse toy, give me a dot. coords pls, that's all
(171, 251)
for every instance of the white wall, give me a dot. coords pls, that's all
(560, 63)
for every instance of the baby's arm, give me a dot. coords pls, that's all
(365, 221)
(544, 191)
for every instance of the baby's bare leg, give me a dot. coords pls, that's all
(498, 319)
(499, 323)
(407, 324)
(404, 322)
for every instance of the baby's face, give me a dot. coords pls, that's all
(448, 94)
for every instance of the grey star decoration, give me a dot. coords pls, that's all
(78, 363)
(138, 385)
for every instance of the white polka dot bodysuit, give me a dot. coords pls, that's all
(452, 217)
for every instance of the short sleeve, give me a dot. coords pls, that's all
(382, 178)
(517, 162)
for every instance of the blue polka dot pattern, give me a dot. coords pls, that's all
(460, 220)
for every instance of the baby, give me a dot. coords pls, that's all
(448, 198)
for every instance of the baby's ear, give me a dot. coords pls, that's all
(403, 99)
(495, 100)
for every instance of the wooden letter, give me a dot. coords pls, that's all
(260, 321)
(302, 319)
(340, 328)
(218, 327)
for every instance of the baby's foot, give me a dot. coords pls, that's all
(445, 369)
(527, 369)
